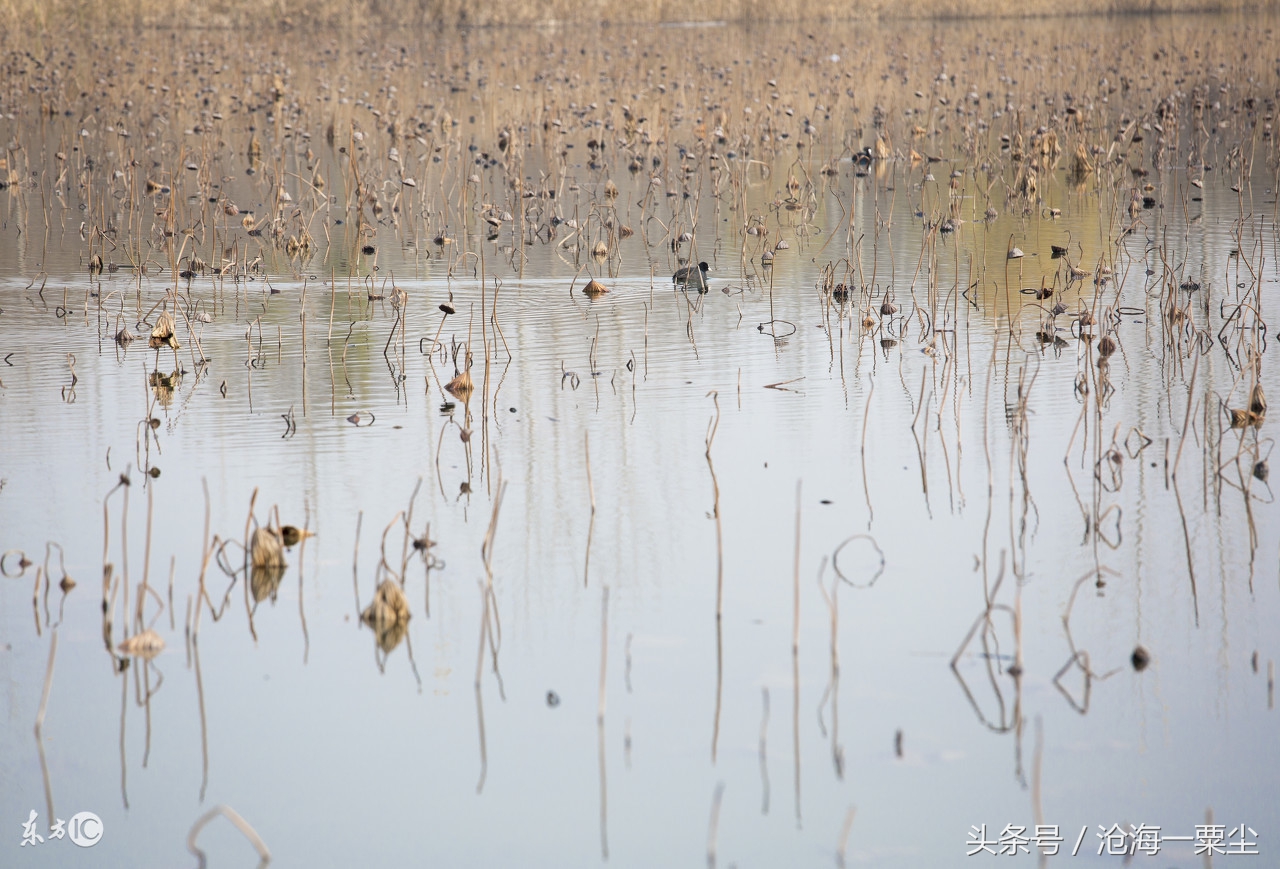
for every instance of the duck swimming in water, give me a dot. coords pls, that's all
(692, 276)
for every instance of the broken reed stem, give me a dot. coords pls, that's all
(426, 557)
(204, 560)
(714, 827)
(382, 563)
(484, 632)
(333, 294)
(39, 728)
(108, 609)
(795, 624)
(408, 533)
(833, 687)
(591, 525)
(35, 598)
(106, 532)
(764, 752)
(1037, 762)
(490, 606)
(1017, 627)
(124, 705)
(486, 548)
(866, 415)
(600, 755)
(124, 555)
(712, 427)
(845, 828)
(248, 558)
(48, 683)
(264, 854)
(586, 444)
(173, 563)
(302, 551)
(604, 649)
(146, 564)
(1186, 419)
(248, 520)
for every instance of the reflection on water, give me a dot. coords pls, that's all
(938, 509)
(265, 583)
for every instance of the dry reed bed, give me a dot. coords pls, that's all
(32, 15)
(221, 162)
(208, 162)
(192, 169)
(154, 161)
(198, 170)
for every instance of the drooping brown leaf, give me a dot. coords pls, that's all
(461, 386)
(147, 645)
(162, 333)
(388, 615)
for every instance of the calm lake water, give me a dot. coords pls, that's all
(686, 482)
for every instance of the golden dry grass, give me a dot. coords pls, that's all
(43, 15)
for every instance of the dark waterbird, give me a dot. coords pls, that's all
(691, 276)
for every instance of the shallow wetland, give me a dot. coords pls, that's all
(364, 470)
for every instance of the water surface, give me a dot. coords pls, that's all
(676, 473)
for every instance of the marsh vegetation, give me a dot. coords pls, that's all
(772, 445)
